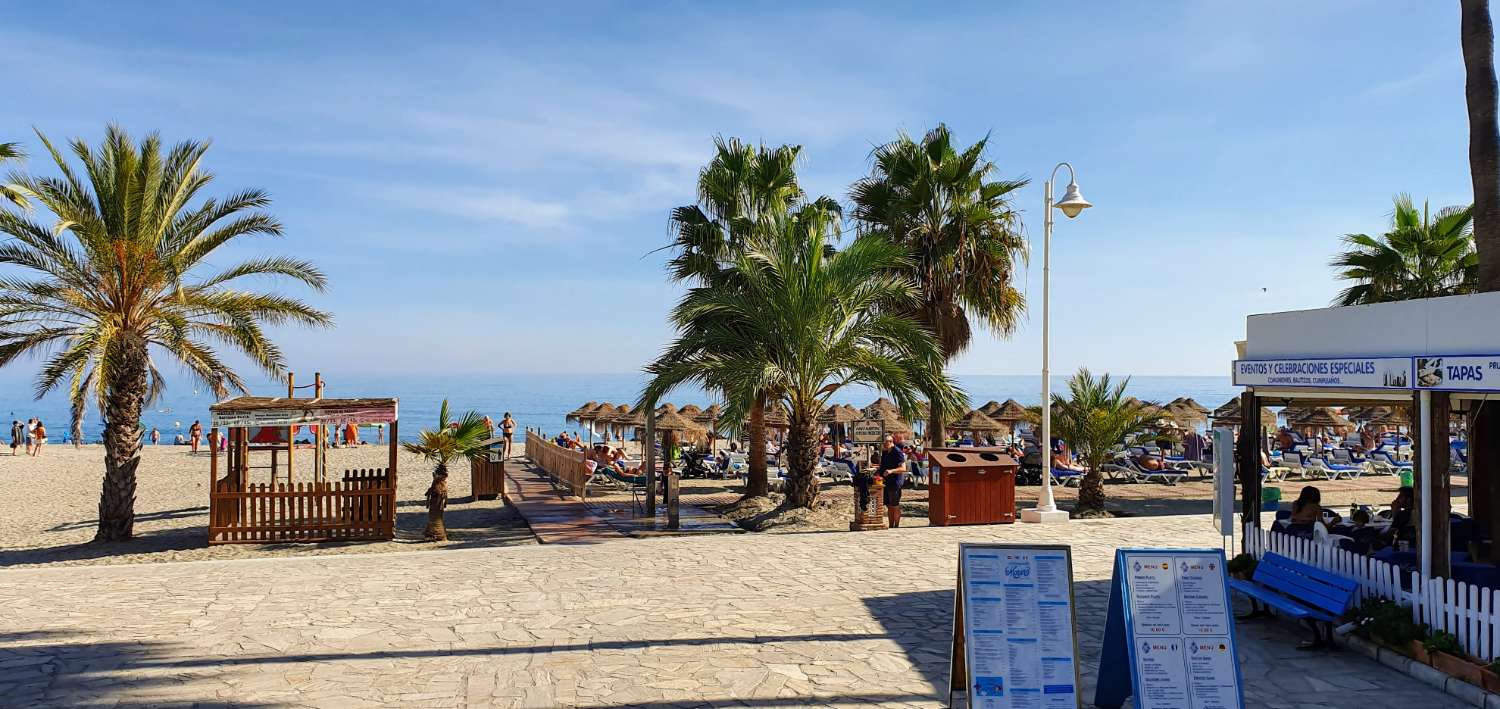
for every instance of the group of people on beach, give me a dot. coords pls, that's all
(33, 434)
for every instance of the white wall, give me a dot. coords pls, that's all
(1465, 324)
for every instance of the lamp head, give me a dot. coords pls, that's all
(1072, 202)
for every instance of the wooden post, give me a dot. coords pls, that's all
(213, 459)
(1441, 487)
(291, 431)
(648, 459)
(394, 449)
(1484, 472)
(1249, 459)
(668, 440)
(320, 459)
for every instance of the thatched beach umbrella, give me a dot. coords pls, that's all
(1390, 417)
(891, 419)
(1185, 415)
(977, 422)
(1323, 417)
(881, 404)
(836, 414)
(691, 411)
(599, 414)
(1191, 403)
(576, 413)
(676, 423)
(990, 408)
(776, 416)
(665, 409)
(1229, 414)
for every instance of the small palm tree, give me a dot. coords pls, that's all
(803, 321)
(1096, 417)
(11, 151)
(121, 275)
(943, 206)
(441, 446)
(1422, 256)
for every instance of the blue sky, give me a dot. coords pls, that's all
(484, 183)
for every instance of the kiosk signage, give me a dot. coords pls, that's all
(1351, 372)
(1169, 636)
(1013, 640)
(1459, 373)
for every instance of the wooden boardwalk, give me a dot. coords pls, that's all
(554, 516)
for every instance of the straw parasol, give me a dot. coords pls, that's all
(1184, 414)
(1191, 403)
(1390, 417)
(598, 412)
(881, 404)
(776, 416)
(892, 421)
(665, 409)
(677, 423)
(990, 408)
(691, 411)
(706, 416)
(1010, 411)
(627, 418)
(976, 421)
(839, 414)
(1323, 417)
(1230, 413)
(580, 411)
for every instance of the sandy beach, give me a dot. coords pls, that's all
(49, 507)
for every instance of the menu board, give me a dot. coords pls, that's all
(1170, 613)
(1014, 613)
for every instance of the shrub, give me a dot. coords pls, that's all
(1242, 565)
(1443, 641)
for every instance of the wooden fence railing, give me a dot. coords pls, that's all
(562, 465)
(360, 506)
(1471, 613)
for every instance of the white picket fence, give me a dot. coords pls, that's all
(1469, 612)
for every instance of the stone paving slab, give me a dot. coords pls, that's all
(848, 620)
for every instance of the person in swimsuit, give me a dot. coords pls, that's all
(195, 434)
(508, 429)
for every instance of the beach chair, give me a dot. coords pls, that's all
(1066, 478)
(1332, 471)
(1166, 476)
(1293, 463)
(1340, 456)
(1384, 461)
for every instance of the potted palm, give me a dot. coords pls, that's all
(449, 442)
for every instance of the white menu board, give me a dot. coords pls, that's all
(1016, 608)
(1178, 613)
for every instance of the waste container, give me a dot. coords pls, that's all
(971, 486)
(1270, 499)
(487, 475)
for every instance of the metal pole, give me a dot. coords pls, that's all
(1425, 470)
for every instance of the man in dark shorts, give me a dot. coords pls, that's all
(893, 473)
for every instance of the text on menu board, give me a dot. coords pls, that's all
(1015, 606)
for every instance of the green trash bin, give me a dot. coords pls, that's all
(1270, 499)
(1406, 478)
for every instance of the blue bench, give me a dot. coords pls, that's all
(1297, 590)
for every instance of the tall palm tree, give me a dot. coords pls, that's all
(11, 151)
(1095, 417)
(1477, 34)
(120, 277)
(802, 322)
(740, 187)
(451, 441)
(944, 206)
(1422, 256)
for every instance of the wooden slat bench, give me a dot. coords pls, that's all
(1299, 591)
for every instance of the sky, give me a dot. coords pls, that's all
(487, 184)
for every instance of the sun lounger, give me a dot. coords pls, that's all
(1064, 477)
(1167, 476)
(1331, 471)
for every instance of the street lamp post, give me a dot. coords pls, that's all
(1071, 205)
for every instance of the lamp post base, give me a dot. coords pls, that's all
(1034, 515)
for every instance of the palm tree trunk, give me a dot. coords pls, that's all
(437, 501)
(802, 460)
(1478, 37)
(757, 484)
(122, 443)
(1090, 492)
(934, 426)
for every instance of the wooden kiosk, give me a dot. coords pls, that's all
(358, 505)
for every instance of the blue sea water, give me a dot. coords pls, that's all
(541, 401)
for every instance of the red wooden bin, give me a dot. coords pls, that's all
(971, 486)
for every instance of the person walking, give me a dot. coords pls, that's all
(892, 472)
(508, 428)
(195, 435)
(17, 435)
(31, 434)
(40, 437)
(155, 436)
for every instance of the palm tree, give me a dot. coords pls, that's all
(942, 205)
(120, 277)
(1096, 417)
(1422, 256)
(449, 442)
(11, 151)
(740, 187)
(1477, 34)
(803, 321)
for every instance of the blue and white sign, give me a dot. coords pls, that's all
(1169, 637)
(1014, 609)
(1348, 372)
(1467, 373)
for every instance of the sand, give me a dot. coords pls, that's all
(49, 509)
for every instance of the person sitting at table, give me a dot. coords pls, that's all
(1401, 529)
(1308, 508)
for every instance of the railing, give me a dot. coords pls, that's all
(361, 506)
(1471, 613)
(562, 465)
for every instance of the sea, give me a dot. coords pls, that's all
(539, 401)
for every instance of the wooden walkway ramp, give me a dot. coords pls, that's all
(554, 516)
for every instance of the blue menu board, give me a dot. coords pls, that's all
(1169, 636)
(1013, 637)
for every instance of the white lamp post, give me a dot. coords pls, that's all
(1072, 203)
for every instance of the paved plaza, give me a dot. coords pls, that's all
(732, 620)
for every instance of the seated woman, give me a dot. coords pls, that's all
(1308, 508)
(1064, 461)
(1402, 529)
